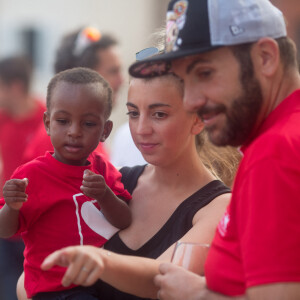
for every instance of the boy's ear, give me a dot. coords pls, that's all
(107, 130)
(198, 126)
(46, 119)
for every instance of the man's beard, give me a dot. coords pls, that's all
(240, 117)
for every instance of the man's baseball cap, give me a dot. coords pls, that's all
(197, 26)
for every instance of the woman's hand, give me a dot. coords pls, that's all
(84, 264)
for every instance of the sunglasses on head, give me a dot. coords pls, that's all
(146, 53)
(151, 69)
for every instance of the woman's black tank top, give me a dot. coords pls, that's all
(175, 228)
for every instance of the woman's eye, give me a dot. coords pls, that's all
(132, 114)
(160, 115)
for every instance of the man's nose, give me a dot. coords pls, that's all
(193, 99)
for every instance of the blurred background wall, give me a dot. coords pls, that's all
(35, 27)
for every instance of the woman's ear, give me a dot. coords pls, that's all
(266, 56)
(107, 130)
(46, 119)
(198, 126)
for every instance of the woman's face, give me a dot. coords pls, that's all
(161, 129)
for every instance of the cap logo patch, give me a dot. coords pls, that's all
(236, 30)
(175, 22)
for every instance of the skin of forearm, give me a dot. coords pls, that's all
(9, 221)
(115, 210)
(130, 274)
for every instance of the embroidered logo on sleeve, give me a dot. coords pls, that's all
(223, 224)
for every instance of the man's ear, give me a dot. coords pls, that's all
(266, 56)
(107, 130)
(46, 119)
(198, 126)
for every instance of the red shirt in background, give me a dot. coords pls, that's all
(15, 137)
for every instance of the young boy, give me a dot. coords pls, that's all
(49, 200)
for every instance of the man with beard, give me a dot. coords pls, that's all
(241, 76)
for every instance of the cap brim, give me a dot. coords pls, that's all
(160, 64)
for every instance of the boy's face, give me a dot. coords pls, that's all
(76, 121)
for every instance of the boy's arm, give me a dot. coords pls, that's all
(14, 196)
(115, 210)
(9, 221)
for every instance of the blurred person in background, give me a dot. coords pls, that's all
(88, 47)
(21, 114)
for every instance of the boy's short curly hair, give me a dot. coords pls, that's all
(81, 76)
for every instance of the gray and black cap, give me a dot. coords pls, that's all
(197, 26)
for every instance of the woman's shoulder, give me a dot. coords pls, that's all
(211, 191)
(129, 171)
(216, 206)
(130, 176)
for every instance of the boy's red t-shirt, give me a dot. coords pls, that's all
(58, 215)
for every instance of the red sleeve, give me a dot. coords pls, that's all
(268, 222)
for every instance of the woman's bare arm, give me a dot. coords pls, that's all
(86, 264)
